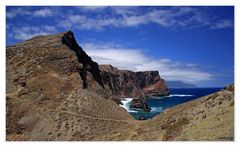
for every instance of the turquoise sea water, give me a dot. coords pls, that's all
(177, 96)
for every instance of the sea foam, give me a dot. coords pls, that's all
(179, 95)
(126, 105)
(156, 109)
(127, 102)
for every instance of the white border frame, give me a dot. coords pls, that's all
(4, 3)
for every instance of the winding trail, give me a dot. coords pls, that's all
(78, 115)
(99, 118)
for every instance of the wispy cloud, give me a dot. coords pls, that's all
(27, 32)
(99, 18)
(17, 11)
(25, 11)
(187, 17)
(88, 9)
(137, 60)
(43, 12)
(222, 24)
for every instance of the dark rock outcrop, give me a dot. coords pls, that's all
(140, 103)
(88, 64)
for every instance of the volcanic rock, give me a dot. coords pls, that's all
(140, 103)
(137, 85)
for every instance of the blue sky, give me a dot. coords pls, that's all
(190, 44)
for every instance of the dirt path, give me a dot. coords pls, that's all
(99, 118)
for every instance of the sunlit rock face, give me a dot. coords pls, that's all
(137, 85)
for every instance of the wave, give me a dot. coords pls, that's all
(126, 105)
(179, 95)
(156, 109)
(159, 98)
(127, 102)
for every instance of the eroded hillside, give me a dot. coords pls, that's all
(46, 99)
(208, 118)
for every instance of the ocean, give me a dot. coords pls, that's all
(158, 104)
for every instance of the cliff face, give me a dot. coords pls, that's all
(133, 84)
(137, 85)
(87, 63)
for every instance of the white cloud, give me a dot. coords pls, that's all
(43, 12)
(85, 23)
(17, 11)
(134, 20)
(187, 17)
(122, 20)
(92, 8)
(27, 32)
(137, 60)
(130, 10)
(24, 11)
(101, 17)
(222, 24)
(82, 22)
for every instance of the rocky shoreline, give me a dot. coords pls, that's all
(137, 85)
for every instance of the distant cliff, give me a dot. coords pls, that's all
(179, 84)
(137, 85)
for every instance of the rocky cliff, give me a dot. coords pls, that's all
(137, 85)
(55, 91)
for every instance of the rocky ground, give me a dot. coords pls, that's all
(56, 92)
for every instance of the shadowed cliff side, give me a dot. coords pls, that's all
(88, 64)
